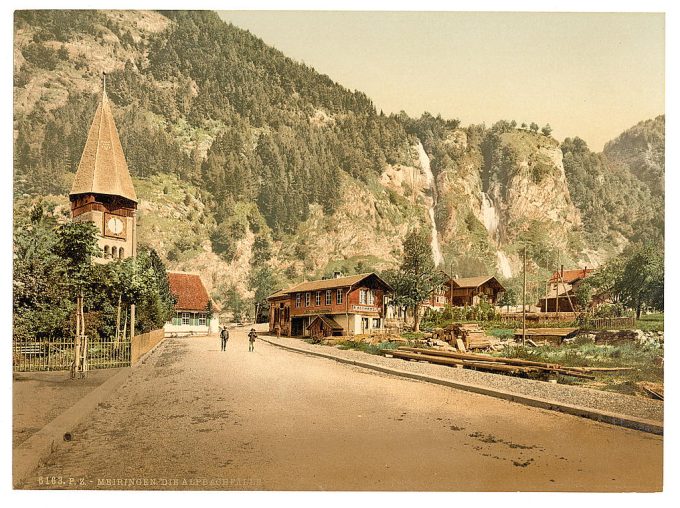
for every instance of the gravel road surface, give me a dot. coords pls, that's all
(629, 405)
(192, 417)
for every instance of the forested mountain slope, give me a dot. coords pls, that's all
(244, 158)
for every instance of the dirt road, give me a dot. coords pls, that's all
(195, 417)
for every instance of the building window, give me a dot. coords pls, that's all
(318, 298)
(107, 251)
(121, 252)
(308, 299)
(376, 322)
(370, 297)
(329, 297)
(338, 296)
(362, 296)
(186, 317)
(201, 319)
(114, 252)
(298, 299)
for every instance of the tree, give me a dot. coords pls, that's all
(546, 130)
(533, 127)
(262, 282)
(417, 276)
(508, 298)
(641, 281)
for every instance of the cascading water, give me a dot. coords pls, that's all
(429, 177)
(503, 264)
(491, 221)
(490, 216)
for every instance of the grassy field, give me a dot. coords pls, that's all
(646, 362)
(651, 322)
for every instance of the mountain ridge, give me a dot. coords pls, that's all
(271, 163)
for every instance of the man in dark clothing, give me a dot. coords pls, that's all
(251, 339)
(224, 336)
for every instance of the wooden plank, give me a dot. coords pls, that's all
(460, 345)
(467, 363)
(514, 362)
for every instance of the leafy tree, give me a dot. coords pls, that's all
(508, 298)
(41, 300)
(546, 130)
(417, 276)
(533, 127)
(641, 282)
(262, 281)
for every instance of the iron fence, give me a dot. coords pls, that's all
(58, 354)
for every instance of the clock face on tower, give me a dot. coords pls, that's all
(114, 226)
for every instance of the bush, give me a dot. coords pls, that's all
(41, 56)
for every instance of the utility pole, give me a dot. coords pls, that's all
(557, 291)
(451, 284)
(524, 300)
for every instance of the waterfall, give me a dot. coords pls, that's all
(503, 264)
(490, 216)
(491, 220)
(429, 177)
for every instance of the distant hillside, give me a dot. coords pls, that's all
(244, 158)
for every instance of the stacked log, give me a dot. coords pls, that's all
(472, 336)
(486, 362)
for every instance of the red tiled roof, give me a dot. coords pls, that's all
(571, 276)
(189, 291)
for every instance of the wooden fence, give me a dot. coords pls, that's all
(612, 323)
(142, 344)
(58, 354)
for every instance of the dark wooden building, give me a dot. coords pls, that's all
(473, 290)
(344, 305)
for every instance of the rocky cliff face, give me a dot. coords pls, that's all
(482, 192)
(489, 204)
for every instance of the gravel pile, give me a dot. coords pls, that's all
(604, 401)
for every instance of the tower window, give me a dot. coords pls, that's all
(121, 252)
(107, 251)
(114, 252)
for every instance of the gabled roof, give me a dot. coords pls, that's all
(189, 291)
(328, 320)
(339, 282)
(571, 276)
(102, 168)
(474, 282)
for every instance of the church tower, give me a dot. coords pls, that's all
(102, 191)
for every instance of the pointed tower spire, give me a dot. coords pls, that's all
(102, 168)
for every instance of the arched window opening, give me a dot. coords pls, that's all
(121, 253)
(114, 252)
(107, 251)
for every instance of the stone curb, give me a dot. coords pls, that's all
(651, 426)
(28, 456)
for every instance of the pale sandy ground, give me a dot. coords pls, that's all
(194, 417)
(39, 397)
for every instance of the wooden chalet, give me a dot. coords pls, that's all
(335, 306)
(562, 287)
(473, 290)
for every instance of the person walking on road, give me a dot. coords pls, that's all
(251, 339)
(224, 336)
